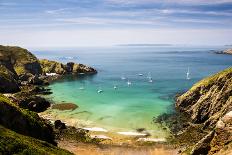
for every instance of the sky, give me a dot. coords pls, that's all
(72, 23)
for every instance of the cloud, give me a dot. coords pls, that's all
(108, 21)
(58, 11)
(169, 1)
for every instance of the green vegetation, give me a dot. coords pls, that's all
(7, 80)
(207, 82)
(24, 121)
(19, 60)
(52, 67)
(14, 143)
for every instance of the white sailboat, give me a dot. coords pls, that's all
(123, 77)
(188, 74)
(99, 90)
(149, 77)
(115, 87)
(150, 80)
(129, 83)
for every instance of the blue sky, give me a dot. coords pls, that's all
(47, 23)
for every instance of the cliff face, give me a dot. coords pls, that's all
(59, 68)
(209, 99)
(208, 104)
(20, 67)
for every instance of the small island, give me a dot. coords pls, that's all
(228, 51)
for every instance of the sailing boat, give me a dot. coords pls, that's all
(150, 80)
(99, 90)
(187, 74)
(128, 83)
(149, 77)
(123, 77)
(115, 87)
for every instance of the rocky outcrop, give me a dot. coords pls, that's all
(61, 69)
(7, 81)
(23, 121)
(228, 51)
(209, 99)
(31, 102)
(208, 105)
(19, 60)
(52, 67)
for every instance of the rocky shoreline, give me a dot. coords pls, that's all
(22, 81)
(201, 125)
(228, 51)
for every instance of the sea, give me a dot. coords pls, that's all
(134, 84)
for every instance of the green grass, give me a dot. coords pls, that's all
(14, 143)
(209, 81)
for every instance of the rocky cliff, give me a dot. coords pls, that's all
(228, 51)
(208, 104)
(19, 60)
(20, 67)
(22, 131)
(61, 69)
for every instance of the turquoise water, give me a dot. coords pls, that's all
(131, 107)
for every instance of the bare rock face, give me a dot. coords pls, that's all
(223, 135)
(228, 51)
(52, 67)
(209, 99)
(209, 105)
(61, 69)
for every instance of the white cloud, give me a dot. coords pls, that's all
(95, 37)
(58, 11)
(109, 21)
(168, 1)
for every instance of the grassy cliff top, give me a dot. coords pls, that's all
(18, 54)
(209, 81)
(19, 60)
(14, 143)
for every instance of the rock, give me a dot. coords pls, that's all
(25, 76)
(65, 106)
(227, 118)
(59, 125)
(69, 66)
(208, 104)
(59, 68)
(223, 135)
(33, 103)
(208, 99)
(52, 67)
(35, 80)
(84, 69)
(203, 146)
(8, 84)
